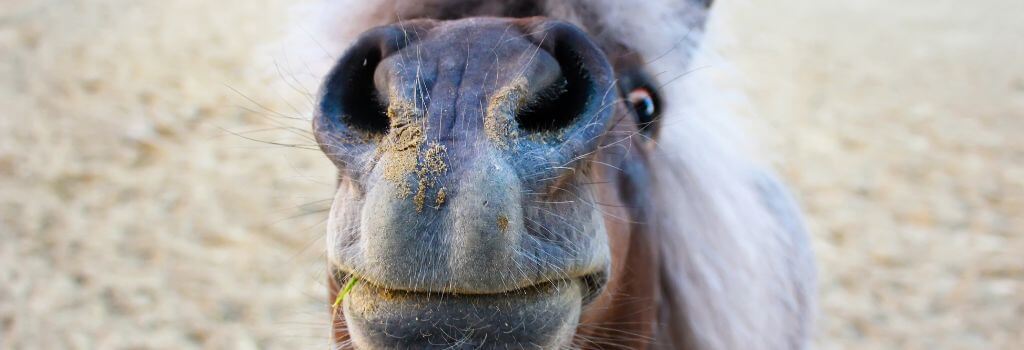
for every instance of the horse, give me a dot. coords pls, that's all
(547, 174)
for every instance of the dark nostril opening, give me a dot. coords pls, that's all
(564, 100)
(366, 108)
(576, 98)
(351, 98)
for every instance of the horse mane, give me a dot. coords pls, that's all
(736, 267)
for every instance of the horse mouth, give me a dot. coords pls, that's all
(545, 314)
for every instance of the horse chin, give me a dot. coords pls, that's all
(544, 315)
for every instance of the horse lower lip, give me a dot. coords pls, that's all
(541, 314)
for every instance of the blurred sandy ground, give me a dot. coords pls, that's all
(135, 213)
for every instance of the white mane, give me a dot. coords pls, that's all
(738, 268)
(738, 255)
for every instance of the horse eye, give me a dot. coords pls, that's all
(642, 101)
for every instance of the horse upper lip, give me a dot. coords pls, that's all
(539, 285)
(592, 282)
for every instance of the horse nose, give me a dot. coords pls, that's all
(447, 134)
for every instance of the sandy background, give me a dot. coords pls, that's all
(136, 214)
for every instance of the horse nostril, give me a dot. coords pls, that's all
(564, 100)
(367, 109)
(569, 99)
(350, 98)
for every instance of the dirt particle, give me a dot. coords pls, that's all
(406, 156)
(500, 122)
(420, 198)
(428, 174)
(503, 223)
(441, 196)
(434, 159)
(388, 294)
(402, 145)
(548, 136)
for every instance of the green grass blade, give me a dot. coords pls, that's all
(344, 291)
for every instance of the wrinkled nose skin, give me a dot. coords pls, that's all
(459, 146)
